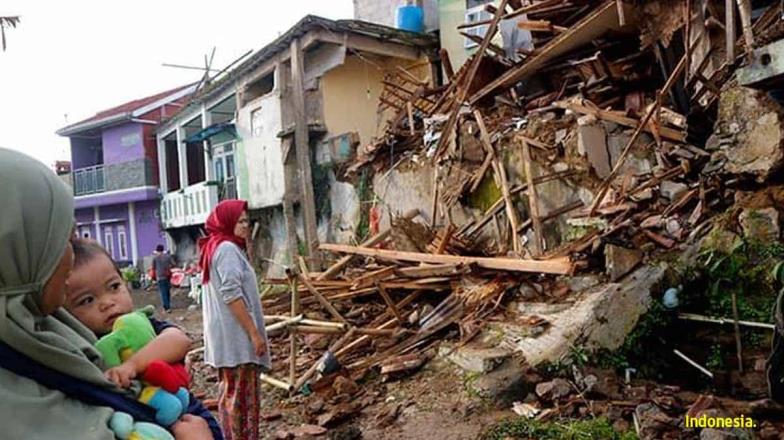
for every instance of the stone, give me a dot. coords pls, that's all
(672, 191)
(553, 390)
(755, 120)
(600, 317)
(592, 142)
(719, 239)
(307, 430)
(344, 385)
(653, 421)
(760, 224)
(619, 261)
(502, 386)
(579, 283)
(478, 359)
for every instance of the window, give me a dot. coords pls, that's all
(122, 245)
(474, 14)
(256, 122)
(108, 240)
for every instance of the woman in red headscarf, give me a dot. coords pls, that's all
(235, 341)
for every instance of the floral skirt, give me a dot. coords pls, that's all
(239, 401)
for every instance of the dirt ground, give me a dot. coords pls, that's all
(428, 405)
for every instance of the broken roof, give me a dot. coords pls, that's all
(126, 111)
(308, 24)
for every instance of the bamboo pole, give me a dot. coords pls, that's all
(738, 345)
(293, 336)
(702, 369)
(275, 382)
(324, 302)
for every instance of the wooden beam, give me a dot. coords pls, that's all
(302, 145)
(372, 241)
(447, 64)
(533, 201)
(324, 302)
(554, 266)
(500, 171)
(289, 197)
(668, 133)
(604, 18)
(390, 304)
(466, 81)
(744, 7)
(295, 306)
(644, 123)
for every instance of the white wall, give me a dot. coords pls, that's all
(263, 152)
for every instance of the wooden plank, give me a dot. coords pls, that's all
(604, 18)
(450, 229)
(302, 144)
(447, 64)
(669, 133)
(744, 7)
(500, 171)
(410, 111)
(390, 304)
(370, 278)
(321, 299)
(433, 271)
(533, 201)
(622, 158)
(554, 266)
(372, 241)
(466, 81)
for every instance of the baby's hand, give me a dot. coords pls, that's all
(122, 375)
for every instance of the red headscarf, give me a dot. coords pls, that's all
(220, 227)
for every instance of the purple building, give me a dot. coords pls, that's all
(114, 162)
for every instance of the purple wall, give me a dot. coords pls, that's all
(123, 143)
(85, 153)
(148, 234)
(85, 216)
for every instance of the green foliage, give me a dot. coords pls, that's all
(365, 197)
(321, 184)
(748, 270)
(486, 194)
(715, 359)
(524, 428)
(130, 274)
(642, 347)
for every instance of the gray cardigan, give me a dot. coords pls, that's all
(225, 342)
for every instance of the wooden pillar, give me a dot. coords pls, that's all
(289, 191)
(302, 144)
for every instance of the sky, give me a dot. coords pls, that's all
(67, 60)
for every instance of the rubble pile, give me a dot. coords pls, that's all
(589, 147)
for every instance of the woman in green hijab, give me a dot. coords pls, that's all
(36, 212)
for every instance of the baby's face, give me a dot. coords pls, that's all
(97, 295)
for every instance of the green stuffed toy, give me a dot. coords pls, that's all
(164, 388)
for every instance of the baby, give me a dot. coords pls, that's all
(97, 295)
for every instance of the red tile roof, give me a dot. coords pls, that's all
(127, 107)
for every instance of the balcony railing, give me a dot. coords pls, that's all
(89, 180)
(189, 206)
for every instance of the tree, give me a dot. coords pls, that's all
(7, 22)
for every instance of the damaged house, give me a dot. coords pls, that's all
(274, 130)
(114, 174)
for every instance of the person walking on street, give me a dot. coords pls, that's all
(235, 340)
(162, 265)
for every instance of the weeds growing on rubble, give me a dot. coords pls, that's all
(524, 428)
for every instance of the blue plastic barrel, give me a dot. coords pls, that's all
(410, 18)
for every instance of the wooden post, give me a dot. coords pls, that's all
(729, 29)
(302, 143)
(738, 345)
(445, 61)
(500, 171)
(533, 200)
(289, 191)
(390, 304)
(744, 6)
(324, 302)
(293, 335)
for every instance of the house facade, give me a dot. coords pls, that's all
(321, 81)
(114, 174)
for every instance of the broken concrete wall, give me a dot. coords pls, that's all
(600, 317)
(748, 134)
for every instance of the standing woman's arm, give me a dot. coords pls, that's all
(228, 262)
(240, 311)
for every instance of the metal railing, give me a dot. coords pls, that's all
(89, 180)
